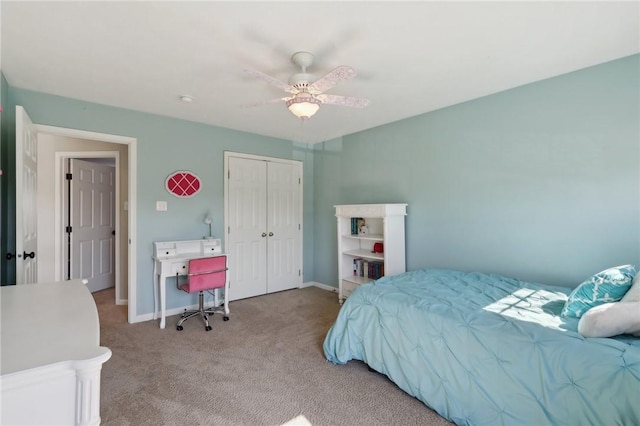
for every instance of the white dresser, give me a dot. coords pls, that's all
(51, 356)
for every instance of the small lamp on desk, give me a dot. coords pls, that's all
(208, 220)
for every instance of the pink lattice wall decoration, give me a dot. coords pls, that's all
(183, 184)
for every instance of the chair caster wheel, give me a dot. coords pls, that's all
(225, 318)
(179, 328)
(208, 328)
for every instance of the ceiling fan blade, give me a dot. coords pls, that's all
(342, 73)
(343, 100)
(271, 101)
(273, 81)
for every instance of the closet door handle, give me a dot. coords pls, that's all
(264, 234)
(271, 234)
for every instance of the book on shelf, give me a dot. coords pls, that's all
(376, 269)
(357, 267)
(357, 225)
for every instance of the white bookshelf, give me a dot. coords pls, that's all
(384, 224)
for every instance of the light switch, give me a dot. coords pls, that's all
(161, 206)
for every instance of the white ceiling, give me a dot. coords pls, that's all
(411, 57)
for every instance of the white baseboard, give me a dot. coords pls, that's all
(167, 313)
(319, 285)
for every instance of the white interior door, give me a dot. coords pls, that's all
(284, 226)
(26, 196)
(247, 228)
(92, 221)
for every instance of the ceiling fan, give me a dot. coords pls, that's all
(306, 94)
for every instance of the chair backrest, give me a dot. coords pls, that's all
(207, 273)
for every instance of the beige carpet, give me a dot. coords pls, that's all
(265, 366)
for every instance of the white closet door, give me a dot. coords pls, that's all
(283, 202)
(247, 228)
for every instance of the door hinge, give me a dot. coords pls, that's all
(298, 227)
(299, 181)
(68, 229)
(228, 229)
(68, 176)
(228, 174)
(299, 273)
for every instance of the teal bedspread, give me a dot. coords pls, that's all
(485, 349)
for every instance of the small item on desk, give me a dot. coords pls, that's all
(208, 220)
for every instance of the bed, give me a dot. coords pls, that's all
(484, 349)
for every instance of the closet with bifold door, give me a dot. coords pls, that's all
(263, 224)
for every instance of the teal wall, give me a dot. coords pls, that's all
(540, 182)
(164, 145)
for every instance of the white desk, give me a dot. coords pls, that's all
(51, 354)
(171, 258)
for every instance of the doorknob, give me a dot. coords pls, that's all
(10, 256)
(113, 232)
(271, 234)
(264, 234)
(30, 255)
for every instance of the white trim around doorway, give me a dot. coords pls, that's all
(132, 205)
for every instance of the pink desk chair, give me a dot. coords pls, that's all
(206, 274)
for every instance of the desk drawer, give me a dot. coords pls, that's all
(163, 250)
(211, 247)
(180, 268)
(166, 252)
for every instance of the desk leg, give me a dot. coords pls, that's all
(226, 295)
(163, 297)
(156, 285)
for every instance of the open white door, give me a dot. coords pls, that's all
(26, 195)
(92, 223)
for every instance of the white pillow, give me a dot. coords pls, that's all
(611, 319)
(633, 294)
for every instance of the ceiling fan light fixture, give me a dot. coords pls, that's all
(303, 105)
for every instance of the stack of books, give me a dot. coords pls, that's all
(368, 268)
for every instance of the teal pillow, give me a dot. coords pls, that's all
(607, 286)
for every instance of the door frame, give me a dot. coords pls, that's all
(131, 144)
(228, 154)
(59, 217)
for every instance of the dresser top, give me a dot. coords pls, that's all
(67, 330)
